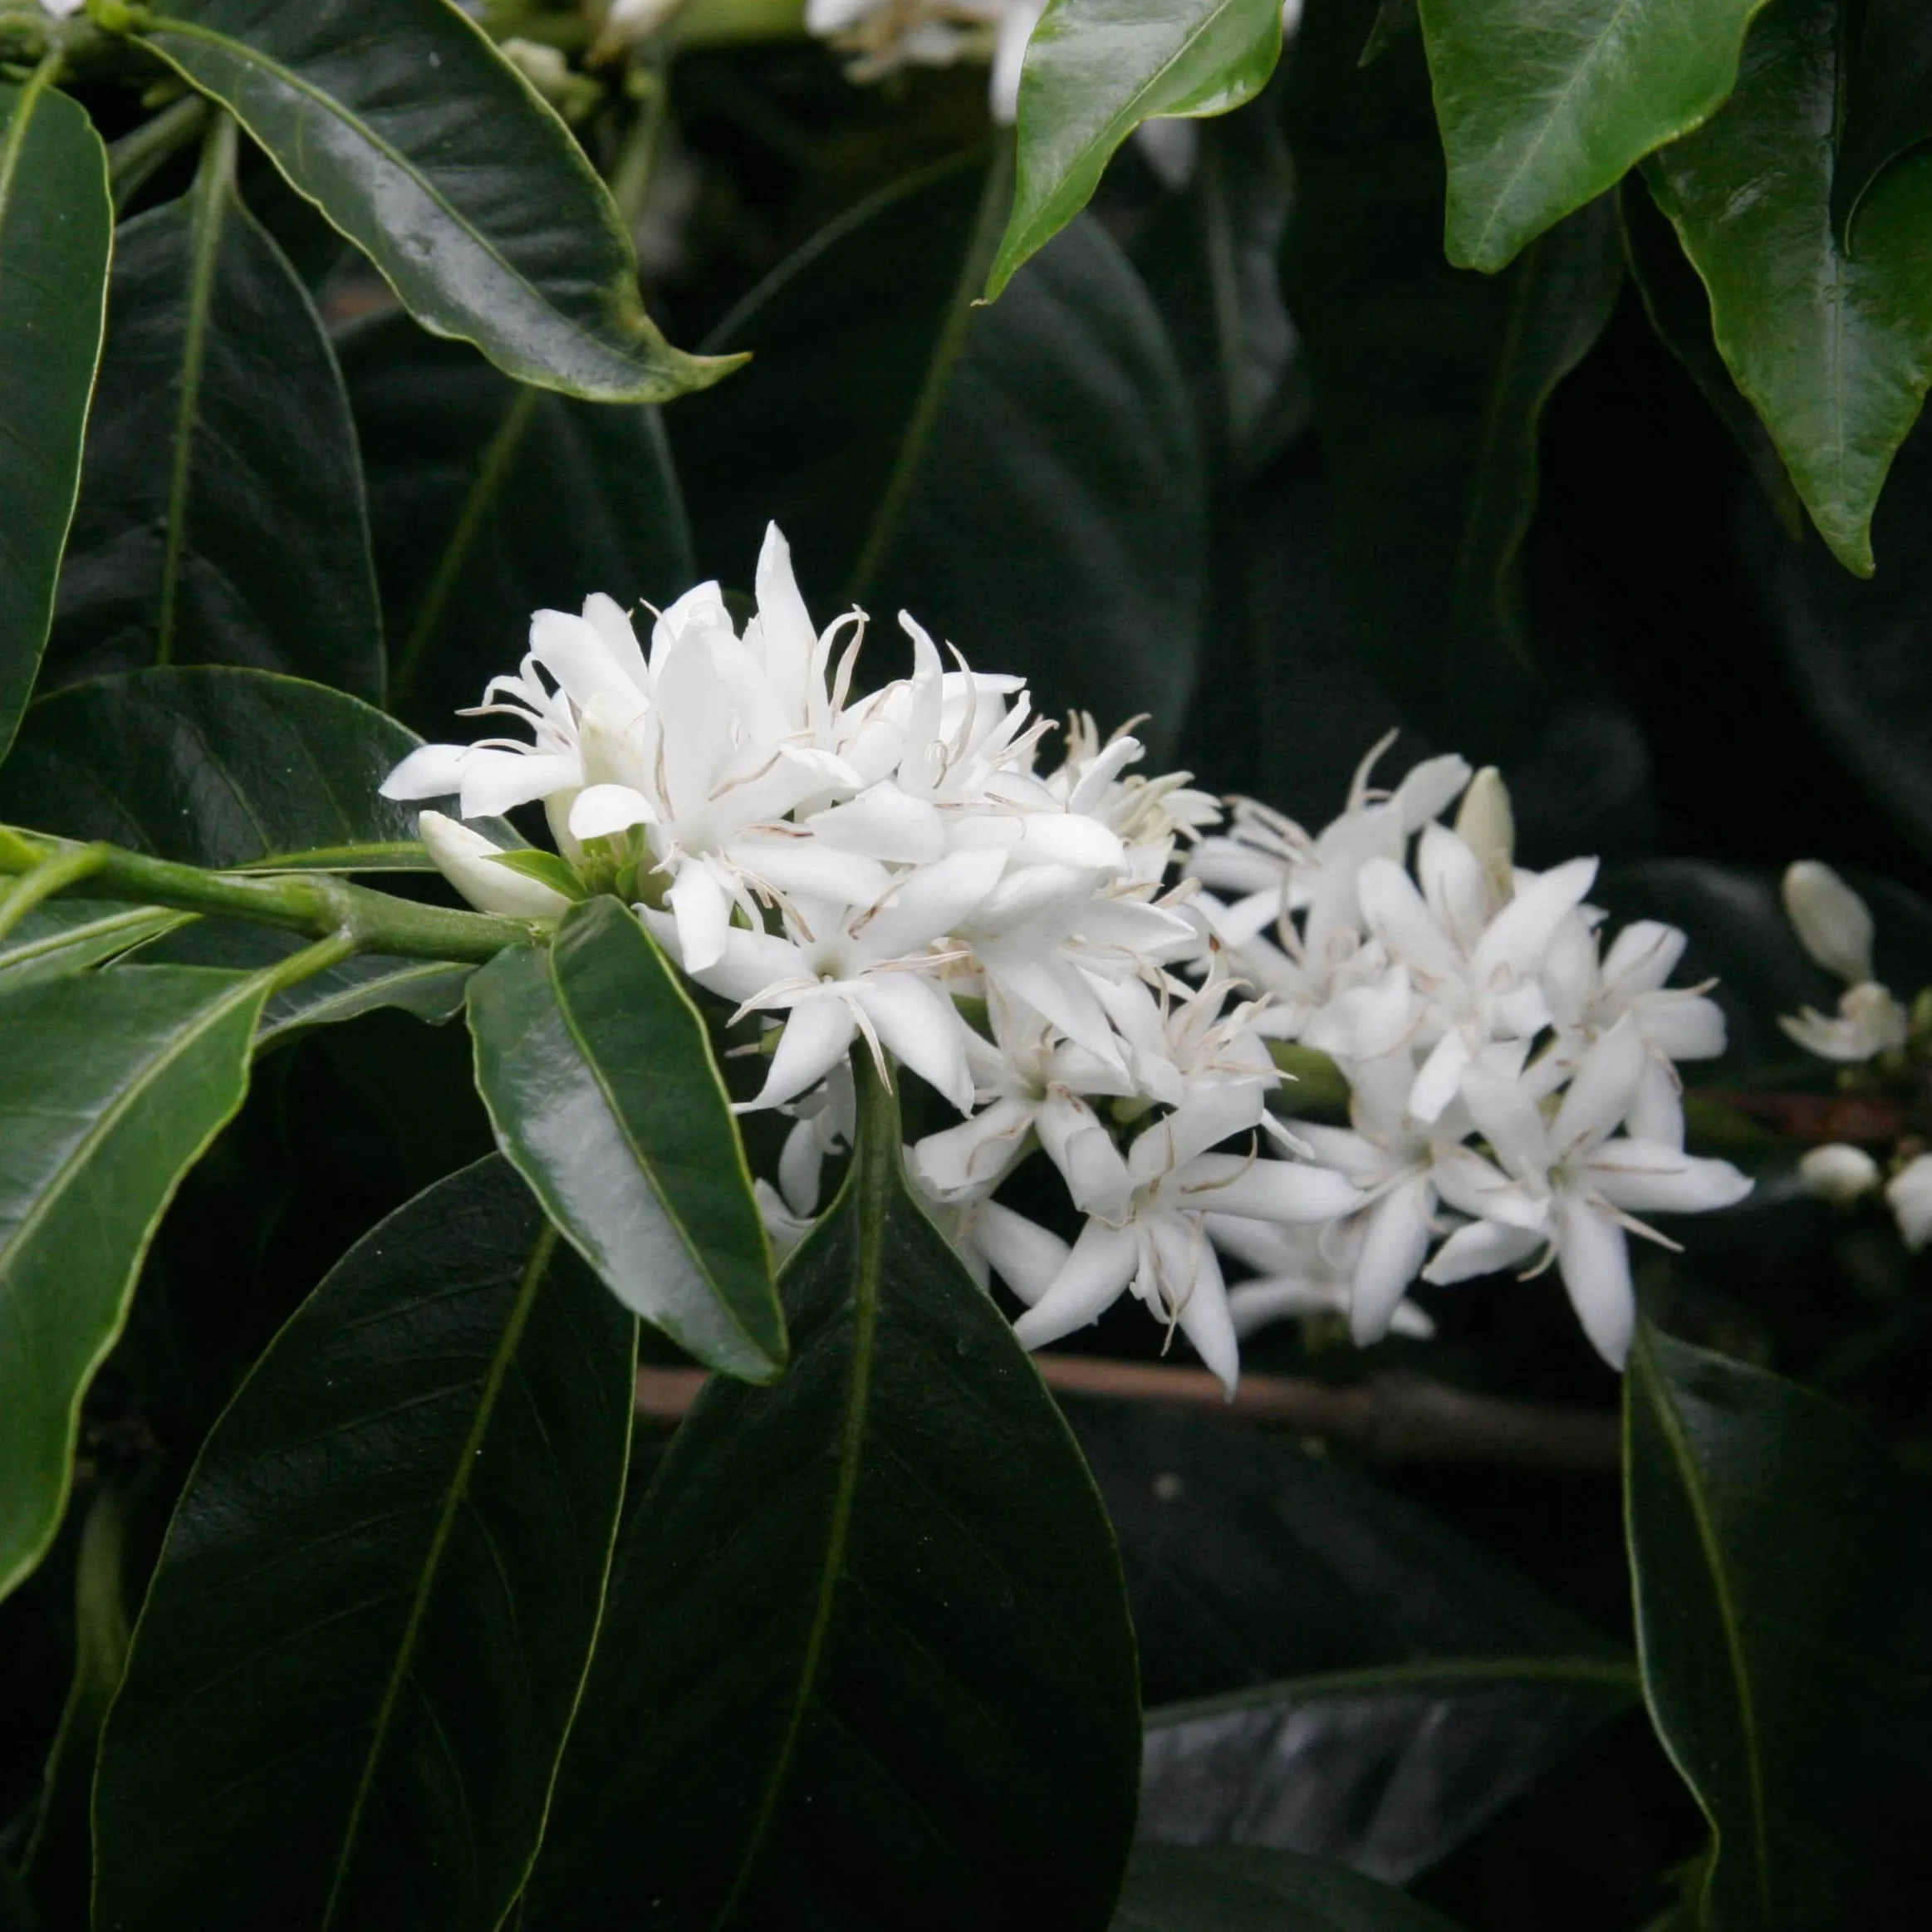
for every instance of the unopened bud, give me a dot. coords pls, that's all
(1485, 823)
(1838, 1174)
(1831, 921)
(1908, 1193)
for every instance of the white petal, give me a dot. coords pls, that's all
(1098, 1268)
(968, 1159)
(883, 823)
(794, 866)
(431, 771)
(1470, 1184)
(922, 1027)
(799, 1165)
(464, 858)
(1364, 1022)
(1429, 788)
(1653, 1176)
(1060, 992)
(1453, 883)
(495, 782)
(1518, 934)
(1595, 1262)
(1067, 838)
(699, 906)
(1681, 1025)
(1834, 924)
(1395, 1239)
(606, 616)
(1909, 1195)
(1084, 1151)
(575, 654)
(784, 625)
(1399, 919)
(1024, 1255)
(750, 964)
(1205, 1320)
(930, 903)
(1641, 958)
(601, 811)
(1439, 1078)
(1266, 1190)
(1601, 1095)
(817, 1031)
(1483, 1247)
(1501, 1106)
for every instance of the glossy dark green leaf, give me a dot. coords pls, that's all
(1542, 108)
(1833, 350)
(221, 518)
(1393, 19)
(372, 1615)
(1429, 381)
(111, 1084)
(68, 935)
(1782, 1571)
(1095, 70)
(902, 439)
(1328, 1668)
(1888, 97)
(1676, 302)
(433, 153)
(1170, 1888)
(491, 501)
(599, 1075)
(866, 1660)
(214, 765)
(56, 225)
(58, 1862)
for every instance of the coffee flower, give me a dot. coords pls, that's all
(897, 873)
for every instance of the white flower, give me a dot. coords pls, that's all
(1837, 1174)
(1869, 1022)
(1909, 1195)
(1833, 923)
(1572, 1186)
(1299, 1270)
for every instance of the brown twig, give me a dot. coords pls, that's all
(1390, 1418)
(1871, 1119)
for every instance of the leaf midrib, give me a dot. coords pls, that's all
(428, 1577)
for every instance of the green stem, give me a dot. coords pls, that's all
(323, 907)
(135, 158)
(32, 888)
(879, 1153)
(995, 204)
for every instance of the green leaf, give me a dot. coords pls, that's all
(1329, 1669)
(215, 766)
(546, 867)
(1888, 98)
(1679, 310)
(491, 501)
(56, 229)
(1542, 108)
(1429, 382)
(600, 1079)
(110, 1086)
(1833, 350)
(435, 156)
(68, 935)
(1781, 1568)
(1095, 69)
(57, 1864)
(369, 1627)
(221, 516)
(901, 438)
(866, 1660)
(1175, 1888)
(1394, 20)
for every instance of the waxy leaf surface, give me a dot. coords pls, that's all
(213, 765)
(1542, 108)
(1172, 1890)
(56, 229)
(370, 1622)
(866, 1660)
(221, 518)
(429, 150)
(902, 437)
(1782, 1571)
(1095, 69)
(599, 1076)
(111, 1084)
(490, 501)
(1834, 349)
(68, 935)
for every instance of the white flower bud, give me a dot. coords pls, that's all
(1909, 1193)
(1832, 922)
(1487, 826)
(544, 67)
(464, 858)
(1870, 1021)
(1838, 1174)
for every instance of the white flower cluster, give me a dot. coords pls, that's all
(1834, 926)
(883, 36)
(893, 868)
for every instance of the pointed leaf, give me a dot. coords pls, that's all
(1095, 70)
(1888, 99)
(68, 935)
(1543, 108)
(867, 1661)
(370, 1622)
(491, 501)
(901, 438)
(432, 152)
(600, 1079)
(218, 766)
(1833, 350)
(1782, 1574)
(56, 228)
(1429, 381)
(111, 1084)
(221, 518)
(1172, 1889)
